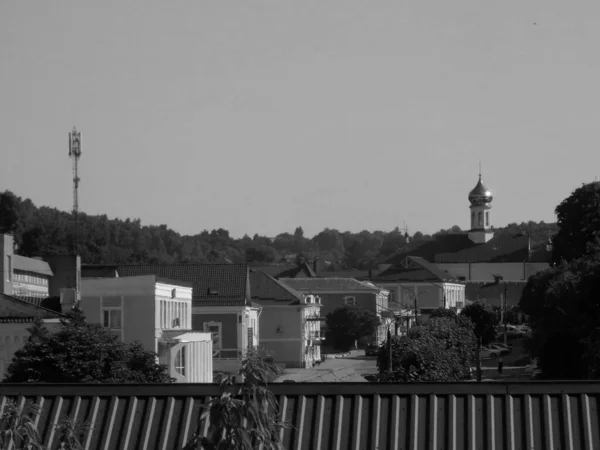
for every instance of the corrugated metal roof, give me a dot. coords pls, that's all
(489, 416)
(31, 265)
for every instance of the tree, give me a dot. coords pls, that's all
(484, 320)
(245, 415)
(9, 213)
(347, 324)
(564, 308)
(441, 349)
(83, 353)
(578, 223)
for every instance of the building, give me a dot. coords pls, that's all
(38, 279)
(157, 313)
(479, 256)
(16, 317)
(290, 322)
(417, 282)
(221, 303)
(336, 292)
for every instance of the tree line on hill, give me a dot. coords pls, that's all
(43, 230)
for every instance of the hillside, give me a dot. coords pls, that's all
(43, 230)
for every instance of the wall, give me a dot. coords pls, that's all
(6, 252)
(485, 271)
(286, 346)
(199, 362)
(67, 273)
(331, 301)
(229, 326)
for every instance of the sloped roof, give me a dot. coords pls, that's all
(458, 248)
(493, 294)
(448, 243)
(303, 269)
(213, 284)
(15, 310)
(497, 249)
(516, 415)
(31, 265)
(328, 284)
(415, 269)
(272, 270)
(265, 287)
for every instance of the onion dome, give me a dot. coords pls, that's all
(480, 194)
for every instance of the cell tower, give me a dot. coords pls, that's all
(75, 154)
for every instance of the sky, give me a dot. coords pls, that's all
(261, 116)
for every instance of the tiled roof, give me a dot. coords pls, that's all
(265, 287)
(213, 284)
(458, 248)
(415, 269)
(448, 243)
(303, 269)
(31, 265)
(497, 249)
(328, 284)
(496, 415)
(272, 270)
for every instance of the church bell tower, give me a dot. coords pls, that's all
(481, 223)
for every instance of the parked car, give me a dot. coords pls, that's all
(503, 349)
(489, 352)
(372, 349)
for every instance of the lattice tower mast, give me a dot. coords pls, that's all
(75, 154)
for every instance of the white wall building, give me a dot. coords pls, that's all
(156, 312)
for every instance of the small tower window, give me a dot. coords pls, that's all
(472, 219)
(487, 218)
(480, 218)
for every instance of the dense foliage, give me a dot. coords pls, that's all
(46, 230)
(348, 324)
(578, 224)
(484, 320)
(245, 415)
(83, 353)
(563, 302)
(440, 349)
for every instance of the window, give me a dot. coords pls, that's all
(214, 328)
(111, 318)
(180, 361)
(473, 218)
(350, 301)
(480, 218)
(487, 218)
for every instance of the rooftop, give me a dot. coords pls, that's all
(265, 287)
(31, 265)
(329, 284)
(415, 269)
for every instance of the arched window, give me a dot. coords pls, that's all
(487, 218)
(480, 218)
(472, 219)
(180, 362)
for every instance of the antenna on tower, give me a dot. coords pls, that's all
(75, 154)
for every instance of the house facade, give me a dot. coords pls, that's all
(290, 322)
(16, 317)
(157, 313)
(221, 304)
(336, 292)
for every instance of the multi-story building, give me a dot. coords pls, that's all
(290, 322)
(221, 303)
(336, 292)
(157, 313)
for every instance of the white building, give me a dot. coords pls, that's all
(156, 312)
